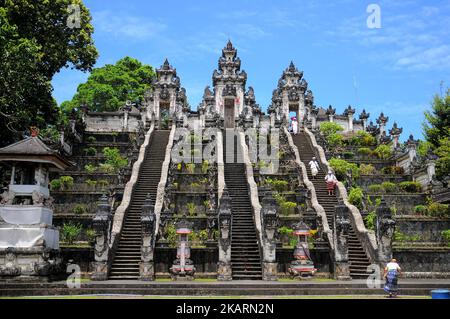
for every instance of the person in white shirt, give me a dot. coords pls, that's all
(391, 273)
(331, 182)
(314, 166)
(294, 124)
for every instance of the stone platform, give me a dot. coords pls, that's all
(233, 288)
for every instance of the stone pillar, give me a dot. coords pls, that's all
(270, 223)
(330, 112)
(395, 132)
(431, 169)
(224, 264)
(148, 222)
(385, 227)
(341, 227)
(349, 111)
(101, 224)
(381, 121)
(363, 117)
(314, 113)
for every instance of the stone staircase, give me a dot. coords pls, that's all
(245, 254)
(357, 257)
(128, 254)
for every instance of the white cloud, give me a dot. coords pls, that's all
(126, 26)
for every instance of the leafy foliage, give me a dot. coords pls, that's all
(341, 167)
(383, 151)
(36, 44)
(109, 87)
(114, 158)
(70, 232)
(446, 236)
(410, 187)
(367, 169)
(437, 132)
(355, 197)
(329, 128)
(370, 220)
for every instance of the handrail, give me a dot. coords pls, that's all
(163, 180)
(315, 203)
(366, 236)
(129, 188)
(254, 198)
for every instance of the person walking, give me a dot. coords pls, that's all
(391, 274)
(331, 181)
(294, 125)
(314, 166)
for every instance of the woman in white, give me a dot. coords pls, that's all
(314, 166)
(294, 125)
(391, 273)
(331, 182)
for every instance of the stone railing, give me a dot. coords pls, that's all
(220, 166)
(128, 192)
(163, 180)
(366, 237)
(315, 203)
(254, 198)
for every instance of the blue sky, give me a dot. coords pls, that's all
(395, 69)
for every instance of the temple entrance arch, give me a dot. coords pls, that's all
(229, 113)
(164, 114)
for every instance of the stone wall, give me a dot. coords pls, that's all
(428, 228)
(425, 263)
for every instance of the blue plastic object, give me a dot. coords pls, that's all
(440, 294)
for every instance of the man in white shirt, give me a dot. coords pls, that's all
(314, 166)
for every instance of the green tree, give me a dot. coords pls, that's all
(437, 132)
(36, 41)
(110, 86)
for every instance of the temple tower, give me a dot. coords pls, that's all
(291, 95)
(167, 101)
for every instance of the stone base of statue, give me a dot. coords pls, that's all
(29, 264)
(342, 271)
(182, 273)
(99, 271)
(146, 271)
(270, 271)
(224, 272)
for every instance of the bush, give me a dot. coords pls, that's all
(389, 187)
(348, 155)
(91, 139)
(288, 208)
(400, 237)
(80, 209)
(397, 170)
(383, 151)
(114, 158)
(107, 168)
(70, 232)
(329, 128)
(91, 234)
(192, 209)
(90, 151)
(288, 233)
(55, 184)
(438, 210)
(420, 210)
(366, 169)
(91, 183)
(446, 236)
(278, 185)
(410, 187)
(205, 166)
(66, 182)
(370, 220)
(90, 168)
(355, 197)
(341, 167)
(335, 140)
(376, 189)
(364, 151)
(363, 138)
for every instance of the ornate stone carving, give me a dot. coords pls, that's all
(7, 197)
(148, 222)
(10, 268)
(101, 224)
(384, 229)
(341, 228)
